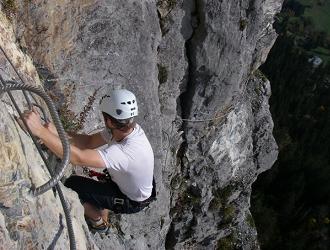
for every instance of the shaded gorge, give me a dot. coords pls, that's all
(290, 202)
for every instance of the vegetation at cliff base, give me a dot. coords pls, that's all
(319, 12)
(291, 202)
(307, 27)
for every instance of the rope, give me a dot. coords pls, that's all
(53, 182)
(19, 76)
(30, 104)
(65, 143)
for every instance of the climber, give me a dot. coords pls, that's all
(128, 158)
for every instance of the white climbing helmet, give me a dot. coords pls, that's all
(120, 104)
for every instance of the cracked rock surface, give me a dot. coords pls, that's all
(203, 104)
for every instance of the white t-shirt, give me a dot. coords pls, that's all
(130, 163)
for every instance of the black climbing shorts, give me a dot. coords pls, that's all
(102, 195)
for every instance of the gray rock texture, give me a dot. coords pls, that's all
(28, 222)
(203, 104)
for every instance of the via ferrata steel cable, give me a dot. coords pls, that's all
(62, 135)
(66, 150)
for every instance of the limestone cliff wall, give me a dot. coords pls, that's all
(28, 222)
(203, 104)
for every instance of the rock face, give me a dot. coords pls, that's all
(28, 222)
(203, 104)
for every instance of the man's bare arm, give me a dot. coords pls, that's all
(86, 157)
(80, 140)
(80, 157)
(87, 141)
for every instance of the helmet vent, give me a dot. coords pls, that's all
(119, 103)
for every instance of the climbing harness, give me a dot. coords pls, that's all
(8, 86)
(122, 204)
